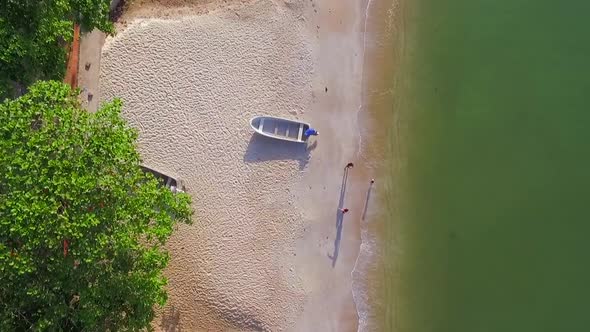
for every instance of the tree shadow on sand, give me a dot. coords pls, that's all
(261, 149)
(171, 320)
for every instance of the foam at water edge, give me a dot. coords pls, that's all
(359, 292)
(360, 107)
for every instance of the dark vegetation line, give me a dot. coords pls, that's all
(82, 227)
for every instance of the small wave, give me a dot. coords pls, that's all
(359, 274)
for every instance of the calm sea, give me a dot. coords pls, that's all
(483, 155)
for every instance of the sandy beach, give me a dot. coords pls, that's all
(268, 250)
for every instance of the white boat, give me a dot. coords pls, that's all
(280, 128)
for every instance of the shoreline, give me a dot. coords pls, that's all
(344, 41)
(215, 282)
(364, 259)
(386, 47)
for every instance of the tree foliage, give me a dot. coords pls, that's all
(34, 33)
(82, 228)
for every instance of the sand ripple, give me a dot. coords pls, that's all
(190, 85)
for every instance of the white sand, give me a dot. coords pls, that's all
(256, 257)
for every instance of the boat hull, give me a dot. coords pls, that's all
(168, 181)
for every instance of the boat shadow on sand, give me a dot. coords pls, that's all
(261, 149)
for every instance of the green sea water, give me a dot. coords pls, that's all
(486, 162)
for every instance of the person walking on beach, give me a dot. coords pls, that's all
(349, 165)
(344, 210)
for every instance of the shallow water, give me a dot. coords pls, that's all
(483, 159)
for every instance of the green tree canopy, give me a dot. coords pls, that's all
(34, 33)
(82, 228)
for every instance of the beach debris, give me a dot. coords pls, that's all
(175, 189)
(75, 299)
(326, 89)
(87, 65)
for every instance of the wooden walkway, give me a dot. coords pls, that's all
(71, 77)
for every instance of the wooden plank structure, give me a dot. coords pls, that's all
(71, 77)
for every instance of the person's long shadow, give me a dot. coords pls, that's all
(339, 219)
(367, 201)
